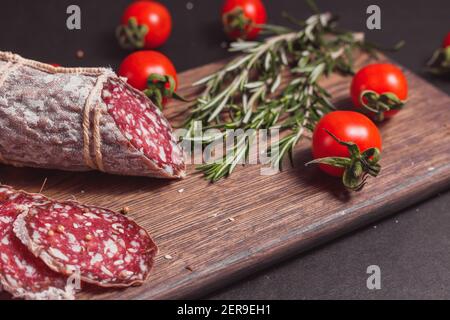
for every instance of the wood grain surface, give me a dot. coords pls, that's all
(218, 233)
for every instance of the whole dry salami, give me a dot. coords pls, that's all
(21, 273)
(81, 119)
(101, 246)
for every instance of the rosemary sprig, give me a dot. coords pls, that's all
(245, 94)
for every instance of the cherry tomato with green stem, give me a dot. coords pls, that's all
(241, 18)
(347, 144)
(379, 88)
(151, 72)
(145, 24)
(439, 63)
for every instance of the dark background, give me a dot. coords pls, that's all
(412, 248)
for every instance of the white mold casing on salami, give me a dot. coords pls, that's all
(44, 123)
(21, 273)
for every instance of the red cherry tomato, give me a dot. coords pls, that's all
(140, 65)
(446, 42)
(151, 15)
(347, 126)
(240, 17)
(55, 65)
(381, 78)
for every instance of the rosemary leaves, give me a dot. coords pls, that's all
(251, 92)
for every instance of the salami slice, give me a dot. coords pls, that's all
(103, 247)
(82, 119)
(21, 273)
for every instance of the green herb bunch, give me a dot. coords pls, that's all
(251, 92)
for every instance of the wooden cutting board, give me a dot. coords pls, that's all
(217, 233)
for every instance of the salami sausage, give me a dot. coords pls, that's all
(81, 119)
(103, 247)
(21, 273)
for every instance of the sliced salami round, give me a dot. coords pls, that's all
(101, 246)
(21, 273)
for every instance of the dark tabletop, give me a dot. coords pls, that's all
(412, 248)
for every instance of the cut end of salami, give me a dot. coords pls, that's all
(21, 273)
(103, 247)
(144, 126)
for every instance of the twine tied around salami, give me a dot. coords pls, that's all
(81, 119)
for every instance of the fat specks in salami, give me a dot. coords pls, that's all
(104, 247)
(43, 242)
(21, 273)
